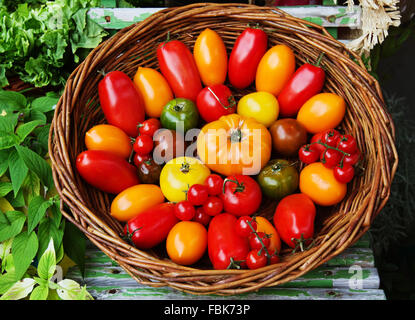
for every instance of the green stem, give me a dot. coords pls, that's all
(239, 186)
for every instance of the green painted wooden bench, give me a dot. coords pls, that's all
(352, 275)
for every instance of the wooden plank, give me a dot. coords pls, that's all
(118, 18)
(145, 293)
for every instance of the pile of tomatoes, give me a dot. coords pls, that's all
(188, 166)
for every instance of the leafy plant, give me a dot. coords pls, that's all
(31, 226)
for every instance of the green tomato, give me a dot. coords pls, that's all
(179, 112)
(278, 179)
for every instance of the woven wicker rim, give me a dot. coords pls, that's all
(366, 118)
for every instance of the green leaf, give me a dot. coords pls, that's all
(19, 290)
(31, 186)
(11, 224)
(47, 230)
(71, 290)
(25, 129)
(7, 280)
(11, 101)
(5, 188)
(74, 243)
(37, 115)
(18, 171)
(36, 211)
(44, 104)
(37, 164)
(40, 293)
(8, 122)
(4, 161)
(47, 263)
(24, 249)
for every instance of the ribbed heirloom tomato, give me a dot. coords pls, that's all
(154, 89)
(211, 57)
(234, 145)
(108, 138)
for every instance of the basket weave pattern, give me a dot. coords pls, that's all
(338, 228)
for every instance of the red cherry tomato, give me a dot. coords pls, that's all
(224, 243)
(184, 210)
(306, 82)
(243, 228)
(179, 68)
(256, 259)
(213, 206)
(197, 194)
(352, 159)
(201, 216)
(121, 102)
(274, 258)
(331, 137)
(138, 158)
(317, 146)
(241, 195)
(330, 158)
(347, 144)
(152, 226)
(255, 242)
(149, 126)
(246, 53)
(143, 144)
(294, 218)
(344, 174)
(214, 183)
(215, 101)
(308, 154)
(106, 171)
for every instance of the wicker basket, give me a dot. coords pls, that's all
(337, 228)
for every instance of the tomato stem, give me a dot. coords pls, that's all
(299, 243)
(320, 58)
(262, 243)
(234, 264)
(236, 135)
(231, 100)
(323, 160)
(239, 185)
(102, 72)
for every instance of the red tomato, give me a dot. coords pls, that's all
(152, 226)
(149, 126)
(215, 101)
(184, 210)
(256, 259)
(243, 228)
(179, 68)
(201, 216)
(106, 171)
(353, 158)
(255, 240)
(348, 144)
(248, 50)
(344, 173)
(224, 243)
(241, 195)
(330, 137)
(214, 183)
(143, 144)
(306, 82)
(138, 158)
(213, 206)
(308, 155)
(121, 102)
(316, 146)
(331, 158)
(197, 194)
(294, 218)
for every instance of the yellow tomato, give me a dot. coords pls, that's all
(211, 57)
(154, 89)
(275, 69)
(134, 200)
(108, 138)
(186, 242)
(234, 145)
(263, 225)
(262, 106)
(179, 174)
(322, 112)
(319, 183)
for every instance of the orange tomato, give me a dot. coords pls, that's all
(319, 183)
(263, 225)
(154, 89)
(322, 112)
(186, 242)
(108, 138)
(134, 200)
(211, 57)
(234, 144)
(275, 69)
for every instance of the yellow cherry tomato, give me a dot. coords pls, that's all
(211, 57)
(263, 225)
(262, 106)
(154, 89)
(179, 174)
(275, 69)
(108, 138)
(134, 200)
(322, 112)
(319, 183)
(186, 242)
